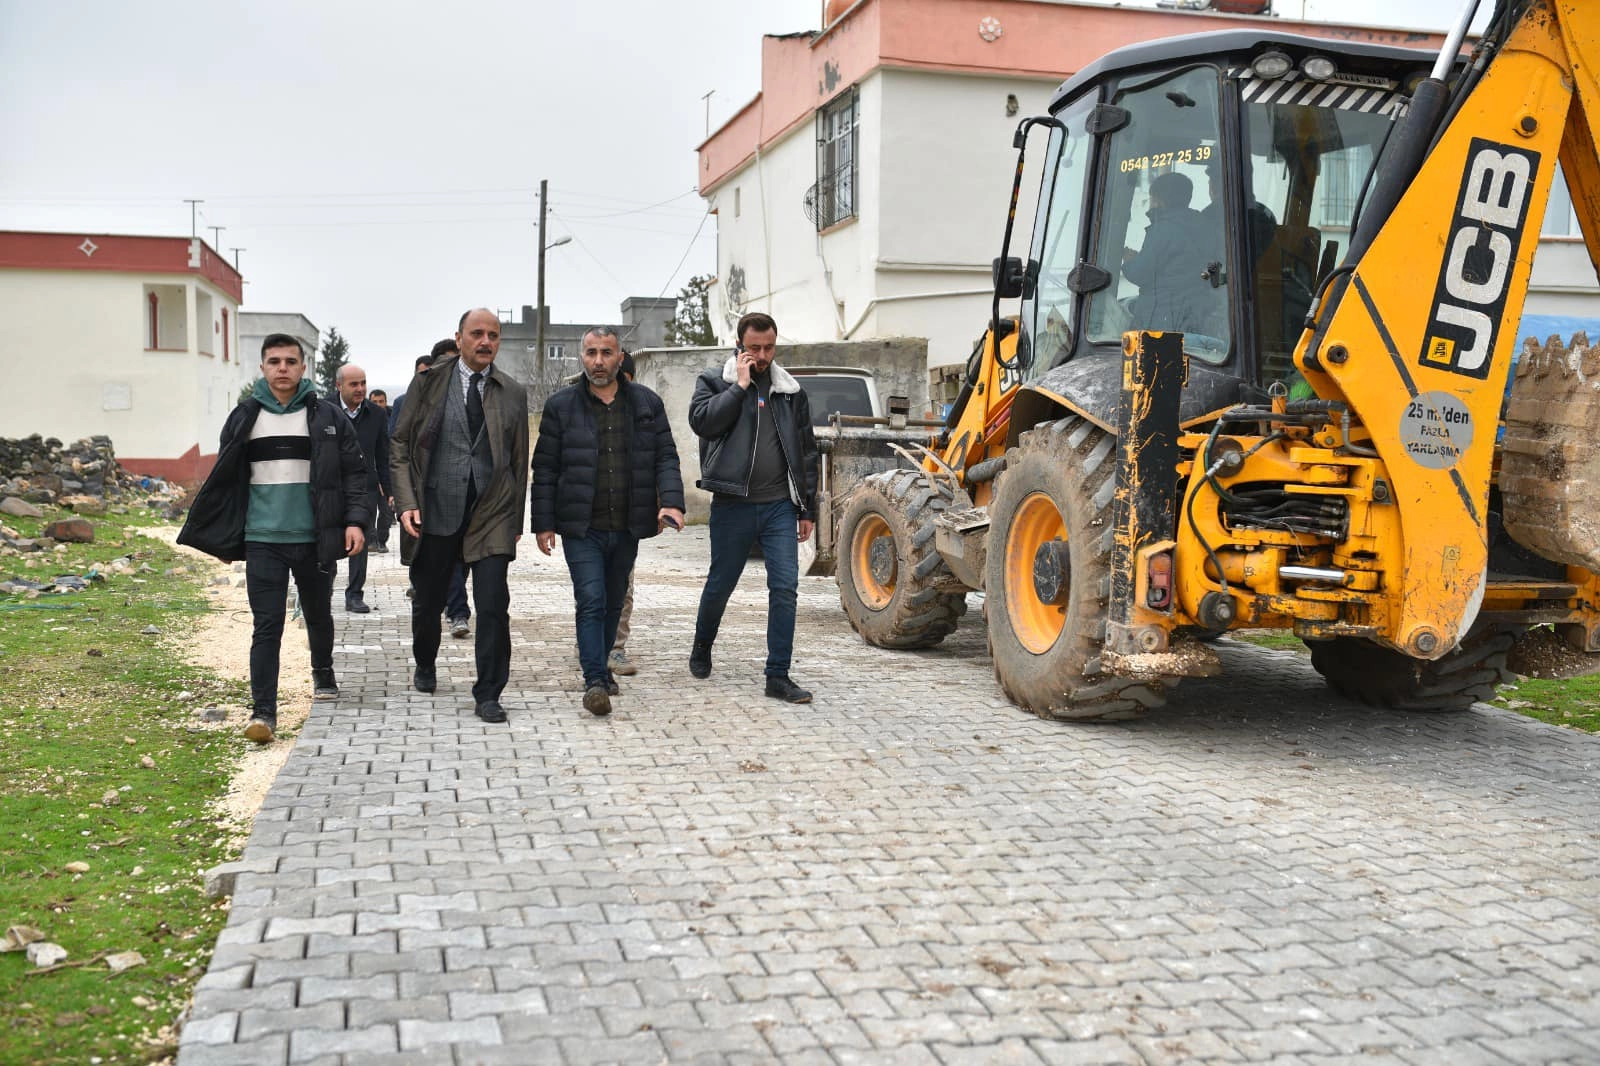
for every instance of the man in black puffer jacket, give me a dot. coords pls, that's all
(605, 477)
(288, 495)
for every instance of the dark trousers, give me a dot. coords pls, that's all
(735, 528)
(358, 574)
(430, 576)
(600, 563)
(455, 600)
(385, 515)
(267, 569)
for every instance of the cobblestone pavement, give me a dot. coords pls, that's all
(909, 870)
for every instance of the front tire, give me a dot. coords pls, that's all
(893, 584)
(1048, 577)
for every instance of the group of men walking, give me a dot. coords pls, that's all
(301, 481)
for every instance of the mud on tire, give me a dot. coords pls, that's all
(894, 586)
(1056, 492)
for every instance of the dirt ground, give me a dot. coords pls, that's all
(222, 644)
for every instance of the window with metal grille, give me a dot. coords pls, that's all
(834, 196)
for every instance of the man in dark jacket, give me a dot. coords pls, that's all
(288, 495)
(1172, 267)
(372, 432)
(458, 463)
(605, 477)
(758, 458)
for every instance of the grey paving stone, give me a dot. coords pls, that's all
(906, 870)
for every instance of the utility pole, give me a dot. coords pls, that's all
(538, 333)
(194, 216)
(216, 236)
(707, 99)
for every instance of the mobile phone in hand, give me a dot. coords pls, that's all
(671, 521)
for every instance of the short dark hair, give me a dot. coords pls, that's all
(1173, 189)
(759, 321)
(601, 331)
(423, 362)
(445, 347)
(626, 368)
(281, 340)
(375, 393)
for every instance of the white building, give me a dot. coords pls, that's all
(135, 338)
(862, 194)
(257, 326)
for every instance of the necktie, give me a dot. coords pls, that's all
(474, 408)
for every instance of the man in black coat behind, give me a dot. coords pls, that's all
(605, 477)
(371, 424)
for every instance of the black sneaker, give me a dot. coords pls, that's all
(491, 711)
(424, 680)
(700, 660)
(323, 685)
(597, 701)
(356, 605)
(612, 688)
(781, 688)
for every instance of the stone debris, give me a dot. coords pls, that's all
(21, 508)
(71, 531)
(18, 937)
(42, 953)
(124, 960)
(76, 867)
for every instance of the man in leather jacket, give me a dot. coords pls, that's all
(758, 459)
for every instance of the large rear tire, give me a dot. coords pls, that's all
(893, 584)
(1048, 577)
(1383, 677)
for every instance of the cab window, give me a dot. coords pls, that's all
(1161, 234)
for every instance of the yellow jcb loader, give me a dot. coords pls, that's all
(1258, 378)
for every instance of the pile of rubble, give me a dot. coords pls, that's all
(80, 477)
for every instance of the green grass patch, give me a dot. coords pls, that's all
(1282, 639)
(1572, 702)
(86, 696)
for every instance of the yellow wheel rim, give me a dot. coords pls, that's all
(1036, 624)
(874, 594)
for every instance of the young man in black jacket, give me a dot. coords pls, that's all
(371, 424)
(605, 477)
(758, 458)
(288, 495)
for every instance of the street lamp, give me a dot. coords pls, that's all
(538, 355)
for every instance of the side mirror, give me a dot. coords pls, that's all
(1013, 280)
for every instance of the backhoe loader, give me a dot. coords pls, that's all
(1258, 378)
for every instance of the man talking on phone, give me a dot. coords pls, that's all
(605, 477)
(758, 459)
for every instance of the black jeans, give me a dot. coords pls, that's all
(385, 518)
(267, 569)
(358, 574)
(430, 576)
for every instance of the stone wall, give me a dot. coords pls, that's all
(44, 470)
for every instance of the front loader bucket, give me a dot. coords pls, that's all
(1550, 459)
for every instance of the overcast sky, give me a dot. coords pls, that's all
(378, 163)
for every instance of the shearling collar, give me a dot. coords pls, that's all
(782, 380)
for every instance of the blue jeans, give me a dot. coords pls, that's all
(735, 527)
(600, 562)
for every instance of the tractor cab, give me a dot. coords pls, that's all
(1204, 184)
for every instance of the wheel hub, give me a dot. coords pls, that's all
(881, 560)
(1051, 574)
